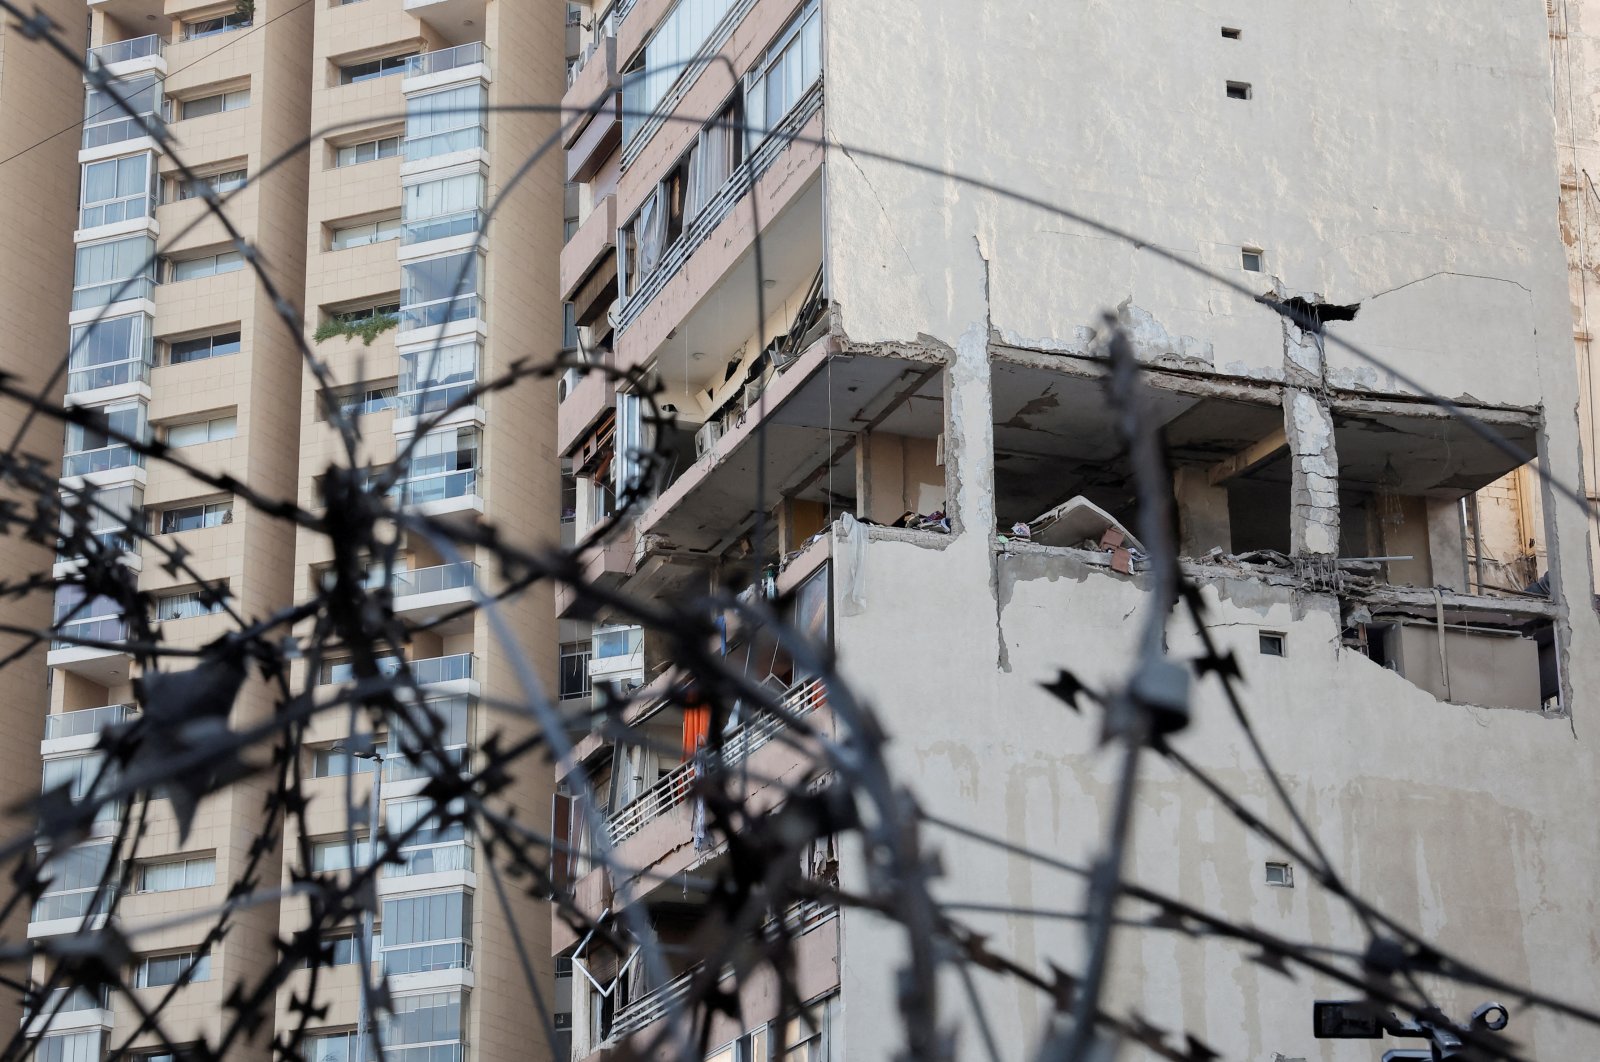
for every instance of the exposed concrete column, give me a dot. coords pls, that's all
(1203, 522)
(1314, 490)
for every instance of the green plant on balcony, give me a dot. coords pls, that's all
(246, 10)
(365, 328)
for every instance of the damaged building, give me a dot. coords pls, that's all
(870, 302)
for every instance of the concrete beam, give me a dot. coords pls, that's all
(1251, 457)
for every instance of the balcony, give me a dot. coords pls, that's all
(428, 958)
(80, 730)
(70, 1010)
(448, 857)
(591, 246)
(109, 374)
(440, 312)
(458, 669)
(443, 494)
(102, 459)
(130, 56)
(426, 595)
(674, 788)
(464, 62)
(457, 21)
(105, 660)
(130, 289)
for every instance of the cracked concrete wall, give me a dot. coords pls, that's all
(1396, 156)
(1314, 463)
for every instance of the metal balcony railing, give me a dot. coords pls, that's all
(673, 788)
(123, 51)
(432, 580)
(86, 721)
(447, 59)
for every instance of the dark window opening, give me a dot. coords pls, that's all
(1272, 643)
(1239, 90)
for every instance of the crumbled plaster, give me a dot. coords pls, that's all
(1152, 342)
(1314, 492)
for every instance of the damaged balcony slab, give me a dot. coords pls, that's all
(813, 413)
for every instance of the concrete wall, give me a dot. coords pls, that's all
(1355, 168)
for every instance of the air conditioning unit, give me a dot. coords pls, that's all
(705, 440)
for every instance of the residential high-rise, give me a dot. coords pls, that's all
(949, 502)
(39, 115)
(423, 235)
(357, 149)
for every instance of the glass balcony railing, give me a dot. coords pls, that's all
(110, 374)
(117, 130)
(87, 721)
(75, 904)
(425, 489)
(117, 290)
(447, 59)
(398, 767)
(431, 580)
(117, 540)
(424, 229)
(444, 142)
(123, 51)
(463, 307)
(432, 859)
(443, 668)
(432, 399)
(76, 1000)
(426, 958)
(101, 460)
(107, 629)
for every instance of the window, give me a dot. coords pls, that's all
(366, 151)
(69, 1047)
(807, 1036)
(441, 208)
(84, 777)
(334, 1047)
(222, 101)
(436, 291)
(426, 933)
(205, 27)
(191, 605)
(363, 400)
(204, 431)
(113, 512)
(668, 58)
(373, 68)
(1280, 874)
(444, 464)
(1230, 33)
(569, 498)
(419, 1022)
(438, 123)
(331, 855)
(97, 448)
(205, 265)
(337, 763)
(218, 183)
(71, 883)
(194, 517)
(361, 233)
(175, 874)
(1238, 90)
(434, 379)
(114, 271)
(791, 66)
(186, 350)
(1272, 643)
(614, 642)
(108, 352)
(430, 845)
(158, 971)
(442, 727)
(106, 121)
(1250, 259)
(574, 670)
(340, 949)
(117, 190)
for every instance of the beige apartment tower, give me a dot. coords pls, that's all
(356, 148)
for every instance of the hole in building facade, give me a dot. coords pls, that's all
(1239, 90)
(1231, 33)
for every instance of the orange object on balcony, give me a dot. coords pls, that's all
(696, 730)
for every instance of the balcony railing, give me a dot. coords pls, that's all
(463, 307)
(447, 59)
(433, 669)
(108, 629)
(398, 767)
(434, 579)
(444, 142)
(110, 374)
(118, 130)
(424, 229)
(87, 721)
(426, 958)
(431, 399)
(123, 51)
(76, 904)
(673, 788)
(424, 489)
(116, 290)
(605, 25)
(75, 1000)
(102, 459)
(434, 859)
